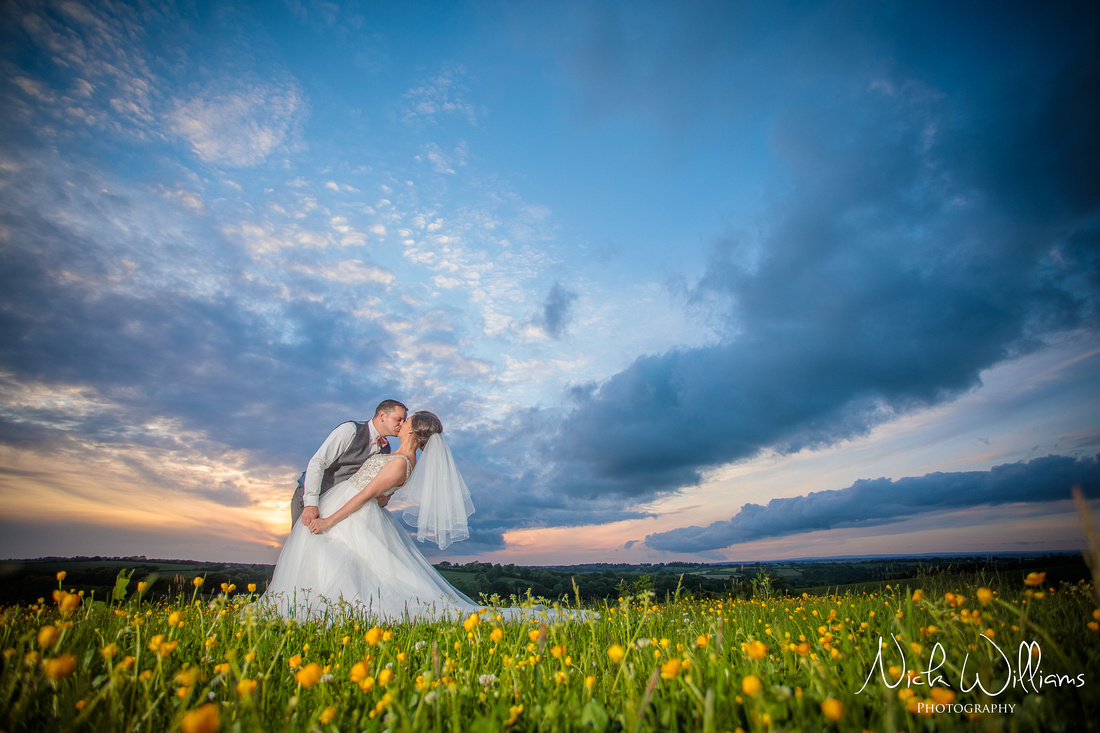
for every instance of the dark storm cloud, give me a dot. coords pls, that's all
(556, 310)
(919, 236)
(882, 501)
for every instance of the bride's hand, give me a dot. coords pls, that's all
(320, 525)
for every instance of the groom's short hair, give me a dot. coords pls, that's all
(389, 406)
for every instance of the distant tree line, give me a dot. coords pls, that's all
(25, 581)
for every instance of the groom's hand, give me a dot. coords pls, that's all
(383, 500)
(310, 513)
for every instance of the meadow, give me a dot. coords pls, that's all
(943, 652)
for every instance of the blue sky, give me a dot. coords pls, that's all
(683, 281)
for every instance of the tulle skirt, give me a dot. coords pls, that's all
(367, 565)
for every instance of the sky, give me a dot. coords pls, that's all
(705, 281)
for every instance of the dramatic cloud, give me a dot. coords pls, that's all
(917, 239)
(881, 501)
(106, 296)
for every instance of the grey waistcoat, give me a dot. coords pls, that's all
(350, 460)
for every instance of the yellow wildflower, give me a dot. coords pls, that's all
(328, 715)
(66, 602)
(197, 582)
(206, 719)
(702, 641)
(385, 677)
(48, 636)
(142, 585)
(942, 695)
(616, 653)
(109, 650)
(245, 687)
(751, 685)
(251, 587)
(557, 651)
(308, 675)
(60, 667)
(533, 634)
(985, 595)
(295, 662)
(61, 574)
(359, 671)
(670, 669)
(373, 636)
(187, 677)
(513, 714)
(175, 618)
(472, 621)
(1034, 579)
(918, 596)
(496, 634)
(832, 709)
(756, 649)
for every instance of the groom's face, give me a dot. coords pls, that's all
(388, 423)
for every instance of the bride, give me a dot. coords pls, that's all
(357, 559)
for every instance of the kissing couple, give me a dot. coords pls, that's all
(348, 557)
(348, 554)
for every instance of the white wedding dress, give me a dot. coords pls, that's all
(367, 565)
(364, 565)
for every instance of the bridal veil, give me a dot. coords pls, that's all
(438, 501)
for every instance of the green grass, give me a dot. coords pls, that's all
(794, 664)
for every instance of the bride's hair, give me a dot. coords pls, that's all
(424, 425)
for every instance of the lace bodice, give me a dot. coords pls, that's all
(372, 466)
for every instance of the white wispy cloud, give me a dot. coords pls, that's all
(239, 128)
(350, 272)
(443, 95)
(444, 161)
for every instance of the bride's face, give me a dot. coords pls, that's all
(405, 434)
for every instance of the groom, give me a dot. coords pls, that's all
(341, 455)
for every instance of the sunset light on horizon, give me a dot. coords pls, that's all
(710, 282)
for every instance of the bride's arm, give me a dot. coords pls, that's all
(392, 474)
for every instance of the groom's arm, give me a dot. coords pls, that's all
(338, 441)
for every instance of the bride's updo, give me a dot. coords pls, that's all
(424, 425)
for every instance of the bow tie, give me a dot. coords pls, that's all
(382, 442)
